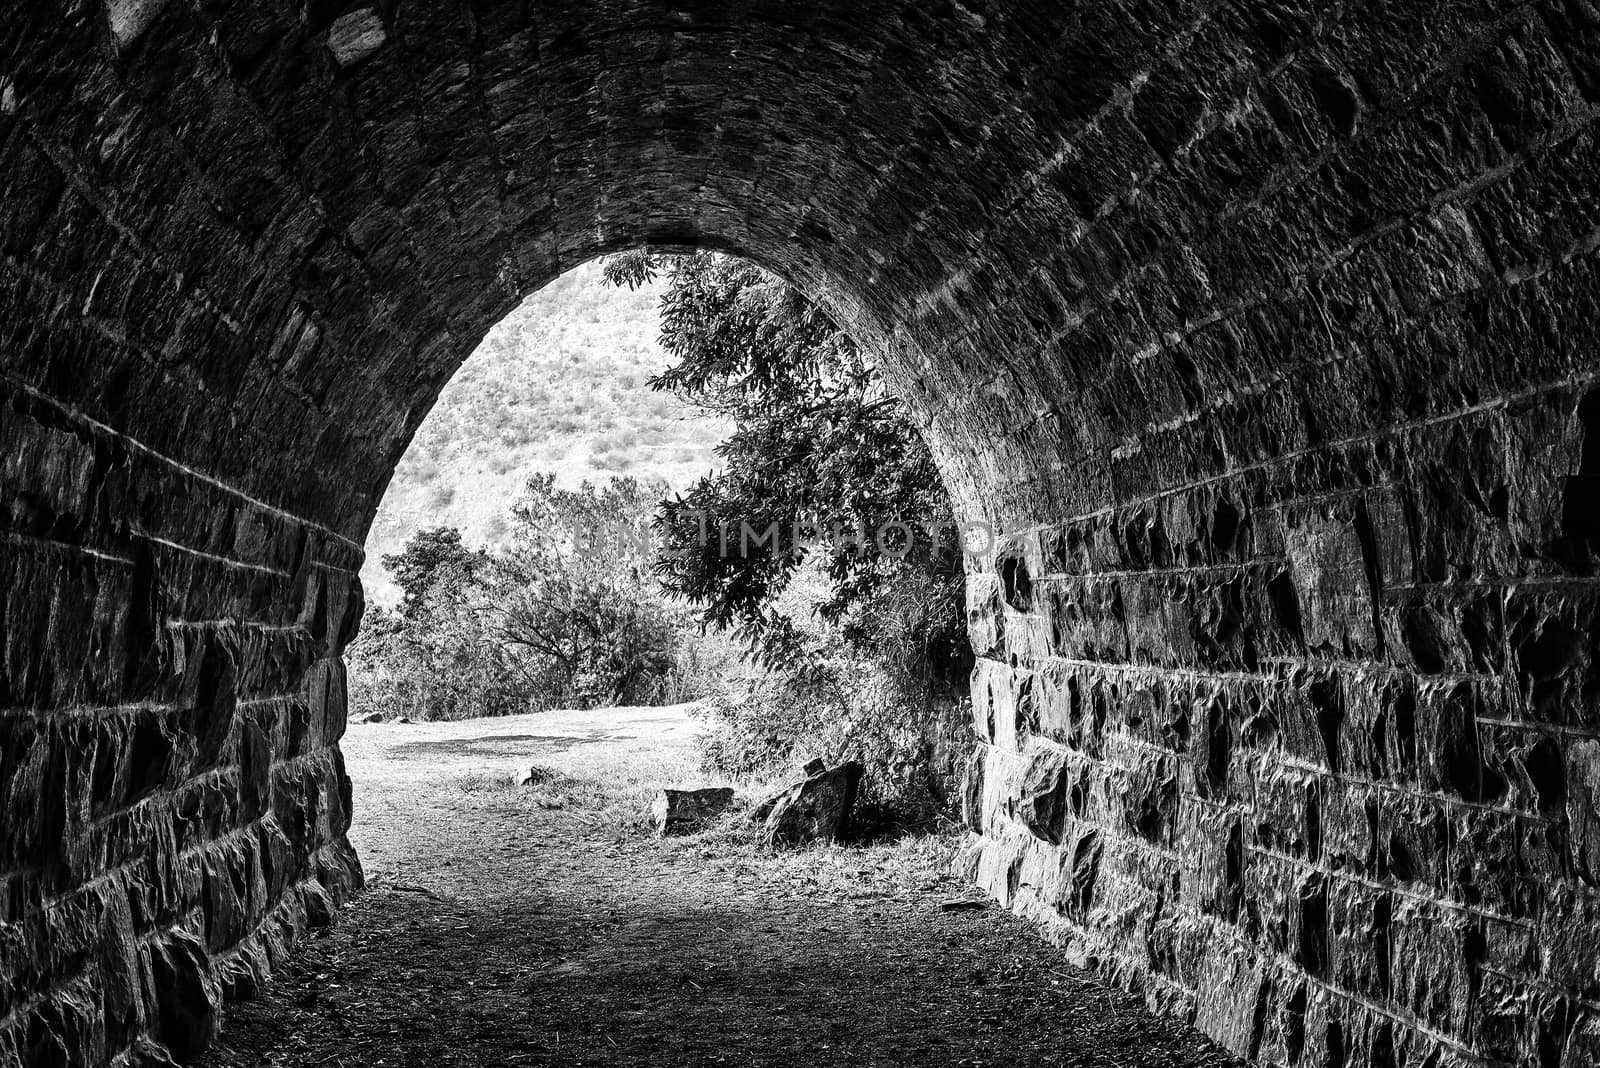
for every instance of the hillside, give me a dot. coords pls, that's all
(559, 385)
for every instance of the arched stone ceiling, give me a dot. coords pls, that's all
(1270, 324)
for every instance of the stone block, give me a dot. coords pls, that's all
(1359, 938)
(1309, 710)
(1333, 580)
(1413, 842)
(1151, 797)
(1086, 618)
(355, 35)
(1449, 743)
(1368, 730)
(1429, 962)
(1347, 825)
(1530, 761)
(1127, 898)
(185, 996)
(1211, 849)
(1057, 702)
(1582, 786)
(1041, 800)
(1551, 654)
(1160, 621)
(1570, 950)
(1228, 995)
(1150, 713)
(998, 703)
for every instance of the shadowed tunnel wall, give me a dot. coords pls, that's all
(1268, 326)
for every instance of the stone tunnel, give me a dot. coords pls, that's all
(1267, 330)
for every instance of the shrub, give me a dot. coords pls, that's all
(435, 671)
(844, 707)
(869, 666)
(567, 613)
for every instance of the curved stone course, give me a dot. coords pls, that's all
(1268, 330)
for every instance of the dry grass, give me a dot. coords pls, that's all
(609, 792)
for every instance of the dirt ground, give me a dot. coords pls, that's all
(509, 925)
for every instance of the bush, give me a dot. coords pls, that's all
(566, 614)
(435, 671)
(847, 708)
(869, 667)
(862, 687)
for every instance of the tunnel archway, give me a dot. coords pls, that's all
(1263, 327)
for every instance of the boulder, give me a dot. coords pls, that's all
(535, 776)
(816, 809)
(370, 717)
(681, 811)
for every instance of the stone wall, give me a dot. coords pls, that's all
(1310, 752)
(175, 802)
(1269, 327)
(174, 795)
(1289, 707)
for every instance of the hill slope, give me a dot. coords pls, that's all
(558, 385)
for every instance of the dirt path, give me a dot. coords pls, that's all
(502, 930)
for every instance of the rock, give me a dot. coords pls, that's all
(130, 18)
(370, 717)
(355, 35)
(186, 996)
(814, 766)
(815, 810)
(535, 776)
(681, 811)
(759, 813)
(963, 904)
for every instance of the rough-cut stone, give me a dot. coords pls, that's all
(1267, 333)
(536, 775)
(355, 35)
(682, 811)
(130, 18)
(816, 809)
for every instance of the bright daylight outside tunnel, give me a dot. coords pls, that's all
(1262, 335)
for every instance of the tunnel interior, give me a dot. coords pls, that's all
(1266, 331)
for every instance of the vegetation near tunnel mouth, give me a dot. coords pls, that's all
(611, 593)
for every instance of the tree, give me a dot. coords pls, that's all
(575, 589)
(822, 463)
(568, 613)
(429, 558)
(435, 657)
(820, 447)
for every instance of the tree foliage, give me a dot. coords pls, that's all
(567, 614)
(575, 589)
(824, 468)
(820, 449)
(430, 558)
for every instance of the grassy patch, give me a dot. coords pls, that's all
(609, 792)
